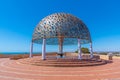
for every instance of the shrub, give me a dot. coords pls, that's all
(1, 55)
(84, 50)
(16, 57)
(104, 53)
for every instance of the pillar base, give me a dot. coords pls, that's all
(91, 56)
(60, 55)
(80, 58)
(30, 56)
(43, 59)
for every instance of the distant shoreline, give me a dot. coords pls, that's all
(8, 55)
(16, 53)
(11, 54)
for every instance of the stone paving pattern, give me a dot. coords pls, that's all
(14, 70)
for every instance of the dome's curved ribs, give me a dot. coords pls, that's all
(61, 25)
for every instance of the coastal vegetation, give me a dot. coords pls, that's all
(84, 50)
(20, 56)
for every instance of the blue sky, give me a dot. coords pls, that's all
(18, 19)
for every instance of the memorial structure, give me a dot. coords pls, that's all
(61, 29)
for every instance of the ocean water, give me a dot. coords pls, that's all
(38, 49)
(16, 53)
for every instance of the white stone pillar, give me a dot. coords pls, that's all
(44, 49)
(91, 50)
(79, 50)
(60, 49)
(31, 50)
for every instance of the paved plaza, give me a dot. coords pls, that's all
(14, 70)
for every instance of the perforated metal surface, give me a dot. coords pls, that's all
(60, 25)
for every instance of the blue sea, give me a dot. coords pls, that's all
(16, 53)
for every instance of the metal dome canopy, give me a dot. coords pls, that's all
(61, 26)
